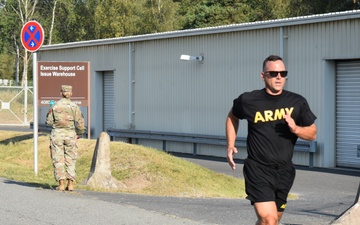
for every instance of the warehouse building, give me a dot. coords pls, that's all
(141, 83)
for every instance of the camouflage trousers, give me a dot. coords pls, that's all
(63, 151)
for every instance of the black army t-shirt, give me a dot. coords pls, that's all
(269, 140)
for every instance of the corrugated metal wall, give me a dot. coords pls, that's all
(155, 90)
(194, 97)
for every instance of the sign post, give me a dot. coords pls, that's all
(32, 38)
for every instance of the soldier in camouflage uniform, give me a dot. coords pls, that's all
(67, 124)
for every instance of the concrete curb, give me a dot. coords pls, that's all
(352, 215)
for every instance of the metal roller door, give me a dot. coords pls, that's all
(348, 114)
(108, 100)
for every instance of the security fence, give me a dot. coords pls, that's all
(16, 105)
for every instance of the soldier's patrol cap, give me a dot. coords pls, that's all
(66, 88)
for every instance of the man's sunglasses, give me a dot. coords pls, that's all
(275, 73)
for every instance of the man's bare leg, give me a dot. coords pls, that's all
(267, 213)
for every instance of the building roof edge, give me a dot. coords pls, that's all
(302, 20)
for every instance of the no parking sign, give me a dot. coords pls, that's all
(32, 36)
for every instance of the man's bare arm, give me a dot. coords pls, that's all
(232, 125)
(306, 133)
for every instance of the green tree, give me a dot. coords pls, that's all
(269, 9)
(17, 13)
(7, 65)
(206, 13)
(10, 44)
(67, 20)
(46, 10)
(279, 8)
(311, 7)
(43, 14)
(160, 15)
(118, 18)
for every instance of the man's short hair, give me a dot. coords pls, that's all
(271, 58)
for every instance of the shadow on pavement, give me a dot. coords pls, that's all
(36, 185)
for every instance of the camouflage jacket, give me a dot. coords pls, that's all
(66, 115)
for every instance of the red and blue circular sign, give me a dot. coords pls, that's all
(32, 36)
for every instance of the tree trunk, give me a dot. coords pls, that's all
(17, 58)
(52, 22)
(25, 71)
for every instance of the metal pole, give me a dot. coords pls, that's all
(130, 83)
(35, 113)
(25, 101)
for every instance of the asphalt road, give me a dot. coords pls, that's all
(323, 196)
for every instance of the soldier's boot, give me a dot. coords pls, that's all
(61, 185)
(70, 186)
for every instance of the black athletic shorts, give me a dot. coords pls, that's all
(268, 183)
